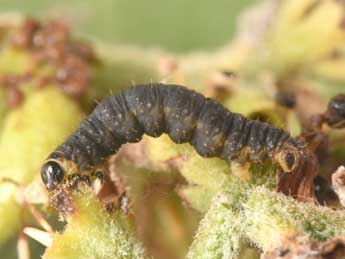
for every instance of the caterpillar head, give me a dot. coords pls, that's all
(63, 173)
(289, 157)
(52, 174)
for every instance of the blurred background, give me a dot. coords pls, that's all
(178, 25)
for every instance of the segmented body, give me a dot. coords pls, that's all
(185, 115)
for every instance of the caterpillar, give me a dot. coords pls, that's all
(185, 115)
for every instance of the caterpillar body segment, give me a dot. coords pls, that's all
(185, 115)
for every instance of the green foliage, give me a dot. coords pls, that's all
(254, 213)
(122, 67)
(219, 233)
(29, 134)
(268, 216)
(94, 233)
(295, 41)
(10, 212)
(14, 62)
(35, 124)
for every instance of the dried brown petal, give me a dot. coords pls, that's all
(220, 85)
(73, 76)
(62, 201)
(83, 50)
(51, 43)
(23, 38)
(308, 103)
(334, 248)
(338, 183)
(335, 114)
(294, 247)
(324, 192)
(297, 247)
(14, 97)
(285, 98)
(167, 65)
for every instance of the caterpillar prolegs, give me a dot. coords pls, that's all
(185, 115)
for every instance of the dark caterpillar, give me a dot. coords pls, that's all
(186, 116)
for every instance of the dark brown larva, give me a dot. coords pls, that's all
(185, 115)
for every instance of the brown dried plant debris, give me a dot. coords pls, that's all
(137, 154)
(308, 103)
(113, 195)
(51, 43)
(325, 193)
(167, 65)
(285, 98)
(338, 184)
(334, 248)
(335, 114)
(333, 117)
(14, 97)
(11, 86)
(220, 85)
(294, 247)
(300, 183)
(62, 201)
(298, 247)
